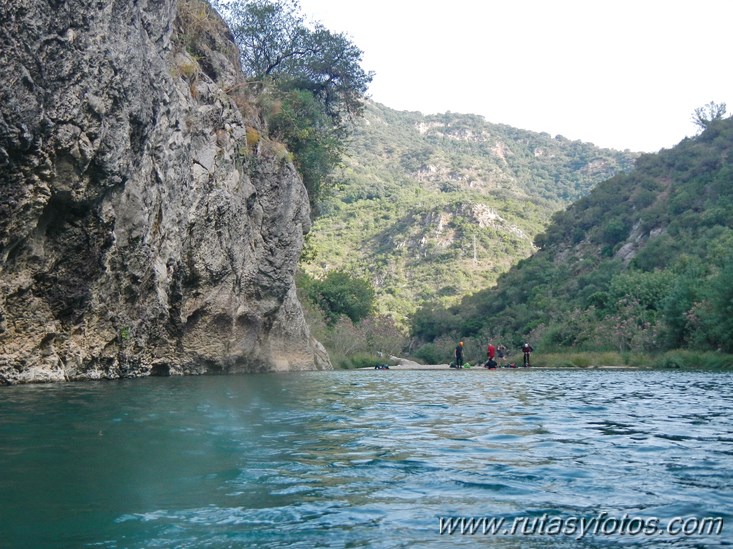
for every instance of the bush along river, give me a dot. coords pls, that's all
(371, 458)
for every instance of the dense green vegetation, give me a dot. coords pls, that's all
(339, 294)
(309, 83)
(644, 263)
(339, 312)
(432, 208)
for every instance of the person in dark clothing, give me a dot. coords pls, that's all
(501, 353)
(459, 355)
(527, 350)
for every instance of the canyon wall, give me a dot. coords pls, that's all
(147, 224)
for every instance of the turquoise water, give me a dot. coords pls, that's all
(363, 458)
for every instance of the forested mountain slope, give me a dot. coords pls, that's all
(644, 262)
(432, 208)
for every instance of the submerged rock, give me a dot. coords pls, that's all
(146, 224)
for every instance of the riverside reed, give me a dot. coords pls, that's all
(670, 359)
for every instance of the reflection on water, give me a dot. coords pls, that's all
(359, 459)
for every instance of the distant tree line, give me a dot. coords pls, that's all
(339, 309)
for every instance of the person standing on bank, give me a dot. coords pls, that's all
(527, 350)
(491, 350)
(459, 355)
(501, 353)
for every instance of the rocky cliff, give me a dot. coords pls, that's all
(147, 225)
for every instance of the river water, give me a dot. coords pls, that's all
(368, 459)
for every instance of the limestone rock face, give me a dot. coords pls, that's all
(147, 226)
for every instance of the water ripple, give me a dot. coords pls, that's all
(354, 459)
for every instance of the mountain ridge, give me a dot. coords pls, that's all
(433, 207)
(642, 263)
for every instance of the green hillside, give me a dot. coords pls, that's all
(644, 262)
(433, 208)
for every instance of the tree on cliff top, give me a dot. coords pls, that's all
(703, 116)
(294, 60)
(277, 42)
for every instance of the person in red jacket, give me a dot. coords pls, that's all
(491, 350)
(491, 353)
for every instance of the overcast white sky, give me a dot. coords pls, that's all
(625, 74)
